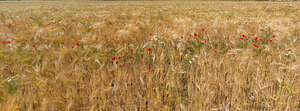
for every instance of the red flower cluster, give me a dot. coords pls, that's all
(114, 58)
(77, 44)
(255, 45)
(53, 22)
(255, 39)
(243, 36)
(5, 42)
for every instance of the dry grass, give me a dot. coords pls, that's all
(219, 69)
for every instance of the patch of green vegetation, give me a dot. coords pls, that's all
(12, 87)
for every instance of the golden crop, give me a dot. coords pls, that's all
(157, 56)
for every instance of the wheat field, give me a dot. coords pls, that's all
(150, 56)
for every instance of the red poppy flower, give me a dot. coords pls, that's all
(149, 67)
(271, 40)
(6, 42)
(244, 35)
(119, 58)
(255, 38)
(195, 34)
(181, 37)
(77, 44)
(117, 62)
(205, 41)
(72, 47)
(149, 49)
(260, 39)
(202, 29)
(255, 45)
(242, 38)
(247, 39)
(114, 58)
(131, 50)
(51, 18)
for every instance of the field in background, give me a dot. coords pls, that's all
(124, 56)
